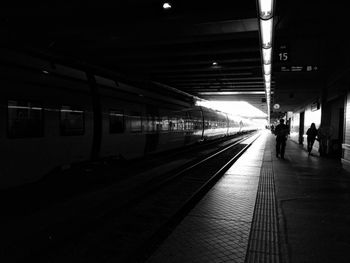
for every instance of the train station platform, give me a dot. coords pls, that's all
(265, 209)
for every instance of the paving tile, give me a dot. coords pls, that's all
(205, 240)
(217, 229)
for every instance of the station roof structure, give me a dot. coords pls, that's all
(210, 49)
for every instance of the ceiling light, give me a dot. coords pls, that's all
(267, 69)
(267, 85)
(266, 32)
(267, 78)
(265, 8)
(166, 6)
(267, 55)
(214, 63)
(45, 72)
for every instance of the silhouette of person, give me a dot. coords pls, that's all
(281, 132)
(311, 136)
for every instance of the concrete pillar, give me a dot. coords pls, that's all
(325, 122)
(346, 145)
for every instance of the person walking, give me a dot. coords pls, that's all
(311, 136)
(281, 132)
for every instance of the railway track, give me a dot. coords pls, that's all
(90, 177)
(132, 220)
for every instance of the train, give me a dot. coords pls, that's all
(54, 115)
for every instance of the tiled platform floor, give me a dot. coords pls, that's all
(217, 229)
(312, 197)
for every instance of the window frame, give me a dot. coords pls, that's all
(37, 104)
(133, 115)
(65, 133)
(123, 120)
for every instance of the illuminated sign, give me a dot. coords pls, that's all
(283, 53)
(276, 106)
(308, 68)
(283, 56)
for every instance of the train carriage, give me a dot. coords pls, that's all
(54, 115)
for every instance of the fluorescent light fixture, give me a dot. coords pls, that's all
(266, 32)
(166, 6)
(24, 107)
(267, 55)
(265, 9)
(45, 72)
(267, 69)
(232, 93)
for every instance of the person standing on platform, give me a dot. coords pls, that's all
(311, 136)
(281, 132)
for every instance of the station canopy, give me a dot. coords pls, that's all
(210, 49)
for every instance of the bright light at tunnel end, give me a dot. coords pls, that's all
(235, 108)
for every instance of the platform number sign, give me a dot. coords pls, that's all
(283, 56)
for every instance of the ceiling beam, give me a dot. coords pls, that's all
(204, 69)
(233, 84)
(199, 79)
(217, 82)
(182, 62)
(166, 53)
(202, 75)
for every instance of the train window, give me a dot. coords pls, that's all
(71, 121)
(135, 122)
(197, 124)
(165, 123)
(116, 121)
(207, 124)
(25, 119)
(150, 123)
(173, 124)
(158, 121)
(188, 124)
(180, 124)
